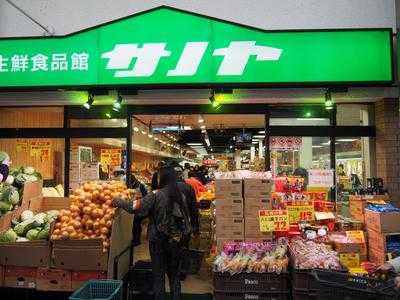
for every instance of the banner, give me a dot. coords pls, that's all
(273, 220)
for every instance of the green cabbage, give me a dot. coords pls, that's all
(10, 179)
(22, 228)
(32, 234)
(5, 207)
(44, 233)
(29, 170)
(8, 236)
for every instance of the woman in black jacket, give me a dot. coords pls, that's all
(169, 228)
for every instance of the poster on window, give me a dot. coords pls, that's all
(40, 149)
(110, 157)
(320, 178)
(285, 143)
(22, 146)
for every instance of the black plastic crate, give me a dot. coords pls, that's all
(304, 280)
(251, 282)
(338, 285)
(140, 277)
(251, 295)
(300, 294)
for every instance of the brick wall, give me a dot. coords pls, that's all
(387, 122)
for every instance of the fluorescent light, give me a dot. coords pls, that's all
(135, 129)
(194, 144)
(327, 143)
(346, 140)
(310, 119)
(316, 146)
(254, 142)
(203, 127)
(259, 136)
(262, 132)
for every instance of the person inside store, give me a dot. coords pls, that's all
(141, 192)
(340, 170)
(154, 178)
(392, 265)
(195, 183)
(169, 228)
(201, 174)
(186, 170)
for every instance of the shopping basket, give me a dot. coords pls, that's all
(99, 289)
(343, 286)
(190, 262)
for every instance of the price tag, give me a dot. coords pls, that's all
(350, 260)
(300, 211)
(273, 220)
(357, 236)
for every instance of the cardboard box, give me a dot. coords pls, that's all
(347, 247)
(228, 188)
(252, 230)
(254, 188)
(376, 256)
(379, 240)
(231, 210)
(382, 222)
(87, 255)
(53, 280)
(253, 205)
(229, 228)
(32, 253)
(357, 210)
(20, 277)
(80, 277)
(221, 242)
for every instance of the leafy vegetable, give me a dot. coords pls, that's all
(29, 170)
(8, 236)
(44, 233)
(26, 215)
(14, 222)
(32, 234)
(5, 207)
(10, 179)
(22, 228)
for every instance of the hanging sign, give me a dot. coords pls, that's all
(168, 46)
(300, 211)
(110, 157)
(320, 178)
(273, 220)
(285, 143)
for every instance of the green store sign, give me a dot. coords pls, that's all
(165, 46)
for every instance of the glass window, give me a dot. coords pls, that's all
(43, 154)
(354, 158)
(32, 117)
(97, 123)
(96, 159)
(299, 121)
(355, 115)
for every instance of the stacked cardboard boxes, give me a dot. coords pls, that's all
(257, 196)
(381, 229)
(228, 211)
(358, 203)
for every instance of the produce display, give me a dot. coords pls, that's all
(29, 227)
(311, 255)
(9, 198)
(90, 214)
(57, 191)
(258, 257)
(18, 177)
(241, 174)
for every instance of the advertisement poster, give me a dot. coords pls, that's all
(110, 157)
(22, 145)
(273, 220)
(40, 149)
(320, 178)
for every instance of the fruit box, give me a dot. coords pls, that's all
(20, 277)
(80, 277)
(88, 255)
(227, 188)
(53, 280)
(32, 253)
(382, 222)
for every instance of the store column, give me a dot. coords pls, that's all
(388, 145)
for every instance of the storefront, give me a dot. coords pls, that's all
(202, 90)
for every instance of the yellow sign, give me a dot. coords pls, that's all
(350, 260)
(22, 146)
(40, 149)
(110, 157)
(300, 211)
(357, 236)
(273, 220)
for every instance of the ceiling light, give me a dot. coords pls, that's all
(201, 120)
(135, 129)
(202, 127)
(203, 131)
(346, 140)
(89, 102)
(316, 146)
(328, 100)
(310, 119)
(118, 103)
(194, 144)
(254, 142)
(259, 136)
(262, 132)
(215, 104)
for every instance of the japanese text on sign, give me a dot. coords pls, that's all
(40, 149)
(320, 178)
(110, 157)
(300, 211)
(350, 260)
(273, 220)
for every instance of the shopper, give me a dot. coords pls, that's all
(154, 179)
(195, 183)
(141, 192)
(169, 226)
(186, 171)
(392, 265)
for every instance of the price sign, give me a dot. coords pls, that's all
(357, 236)
(350, 260)
(300, 211)
(273, 220)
